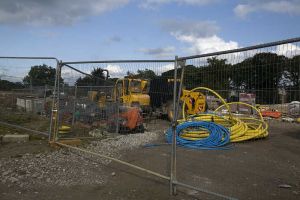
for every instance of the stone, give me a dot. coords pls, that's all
(15, 138)
(284, 186)
(5, 173)
(13, 179)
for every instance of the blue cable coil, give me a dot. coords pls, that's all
(218, 137)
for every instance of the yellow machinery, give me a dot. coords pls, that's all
(99, 97)
(132, 92)
(195, 102)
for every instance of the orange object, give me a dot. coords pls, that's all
(273, 114)
(133, 118)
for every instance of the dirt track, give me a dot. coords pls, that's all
(262, 169)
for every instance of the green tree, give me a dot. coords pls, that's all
(96, 78)
(40, 75)
(7, 85)
(261, 74)
(142, 74)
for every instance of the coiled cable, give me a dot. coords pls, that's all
(218, 136)
(241, 128)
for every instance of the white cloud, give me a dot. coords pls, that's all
(207, 44)
(159, 52)
(242, 10)
(53, 12)
(288, 50)
(291, 7)
(201, 36)
(152, 4)
(188, 27)
(115, 71)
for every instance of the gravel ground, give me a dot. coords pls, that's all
(66, 168)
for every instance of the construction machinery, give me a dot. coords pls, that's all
(132, 92)
(131, 96)
(161, 98)
(150, 96)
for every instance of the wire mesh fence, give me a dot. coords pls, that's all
(100, 98)
(266, 76)
(96, 99)
(249, 85)
(26, 89)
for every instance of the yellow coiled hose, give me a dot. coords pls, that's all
(241, 128)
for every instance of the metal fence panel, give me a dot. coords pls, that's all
(26, 92)
(266, 76)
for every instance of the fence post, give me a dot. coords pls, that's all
(74, 106)
(54, 103)
(58, 102)
(173, 148)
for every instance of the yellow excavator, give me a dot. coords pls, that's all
(132, 92)
(154, 95)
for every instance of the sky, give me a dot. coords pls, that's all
(73, 30)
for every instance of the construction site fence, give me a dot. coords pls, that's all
(266, 76)
(86, 99)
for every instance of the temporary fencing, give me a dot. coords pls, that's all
(211, 99)
(234, 89)
(26, 92)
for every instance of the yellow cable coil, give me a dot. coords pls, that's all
(241, 128)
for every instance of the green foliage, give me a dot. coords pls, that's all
(40, 75)
(96, 78)
(263, 74)
(142, 74)
(7, 85)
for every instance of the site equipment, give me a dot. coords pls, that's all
(161, 98)
(132, 92)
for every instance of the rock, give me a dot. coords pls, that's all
(284, 186)
(13, 179)
(34, 175)
(5, 173)
(113, 173)
(15, 138)
(295, 192)
(48, 180)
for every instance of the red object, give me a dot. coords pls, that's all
(273, 114)
(133, 118)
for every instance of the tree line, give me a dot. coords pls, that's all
(263, 74)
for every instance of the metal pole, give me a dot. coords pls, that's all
(204, 191)
(23, 128)
(182, 65)
(74, 106)
(118, 116)
(53, 101)
(58, 102)
(173, 148)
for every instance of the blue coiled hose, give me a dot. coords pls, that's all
(219, 136)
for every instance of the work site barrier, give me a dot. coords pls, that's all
(245, 90)
(99, 99)
(232, 96)
(26, 93)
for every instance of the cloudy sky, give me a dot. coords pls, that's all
(141, 29)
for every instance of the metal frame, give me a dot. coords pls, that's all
(178, 62)
(54, 91)
(264, 45)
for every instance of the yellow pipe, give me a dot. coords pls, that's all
(241, 128)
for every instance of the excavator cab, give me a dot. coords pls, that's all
(132, 92)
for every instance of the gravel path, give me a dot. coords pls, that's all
(66, 168)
